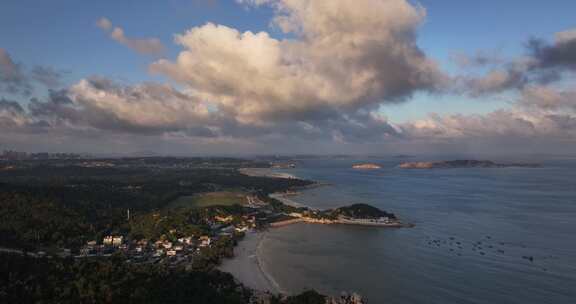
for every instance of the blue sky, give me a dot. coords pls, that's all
(63, 34)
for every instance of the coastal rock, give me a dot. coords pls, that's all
(353, 298)
(467, 163)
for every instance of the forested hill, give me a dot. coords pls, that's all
(362, 211)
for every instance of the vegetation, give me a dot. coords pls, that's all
(31, 280)
(362, 211)
(209, 199)
(307, 297)
(62, 204)
(52, 204)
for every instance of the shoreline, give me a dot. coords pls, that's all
(282, 197)
(247, 266)
(265, 172)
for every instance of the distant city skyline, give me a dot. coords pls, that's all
(288, 76)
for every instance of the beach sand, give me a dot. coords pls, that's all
(265, 172)
(286, 201)
(246, 266)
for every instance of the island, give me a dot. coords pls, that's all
(367, 166)
(467, 163)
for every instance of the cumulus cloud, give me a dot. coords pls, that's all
(15, 79)
(345, 56)
(547, 98)
(11, 114)
(325, 83)
(102, 109)
(47, 76)
(104, 23)
(558, 55)
(102, 104)
(540, 113)
(99, 105)
(546, 62)
(496, 81)
(479, 59)
(12, 76)
(146, 46)
(565, 36)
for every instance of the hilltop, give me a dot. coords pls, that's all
(362, 211)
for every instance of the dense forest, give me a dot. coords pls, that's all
(111, 280)
(67, 205)
(51, 205)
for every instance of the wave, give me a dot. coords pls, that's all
(262, 267)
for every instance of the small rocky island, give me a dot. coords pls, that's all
(367, 166)
(356, 214)
(467, 163)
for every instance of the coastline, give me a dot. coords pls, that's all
(282, 197)
(247, 266)
(265, 172)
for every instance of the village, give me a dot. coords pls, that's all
(174, 251)
(256, 214)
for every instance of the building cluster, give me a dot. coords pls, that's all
(172, 251)
(254, 202)
(18, 155)
(148, 251)
(96, 164)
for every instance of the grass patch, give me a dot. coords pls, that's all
(221, 198)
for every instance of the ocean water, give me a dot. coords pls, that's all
(505, 235)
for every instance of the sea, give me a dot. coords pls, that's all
(482, 235)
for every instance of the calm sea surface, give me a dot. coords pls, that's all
(503, 235)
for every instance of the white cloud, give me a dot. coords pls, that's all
(12, 77)
(546, 62)
(102, 104)
(12, 115)
(146, 46)
(339, 62)
(549, 99)
(346, 55)
(565, 36)
(539, 113)
(104, 23)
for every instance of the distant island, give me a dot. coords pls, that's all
(467, 163)
(367, 166)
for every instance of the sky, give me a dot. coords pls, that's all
(288, 76)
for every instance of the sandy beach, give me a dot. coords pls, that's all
(286, 201)
(265, 172)
(246, 266)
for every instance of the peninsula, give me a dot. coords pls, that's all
(111, 229)
(463, 164)
(356, 214)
